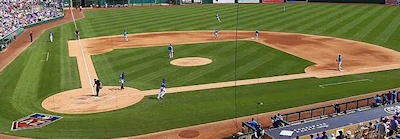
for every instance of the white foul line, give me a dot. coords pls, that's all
(362, 80)
(83, 55)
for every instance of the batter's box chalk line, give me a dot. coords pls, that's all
(346, 82)
(47, 56)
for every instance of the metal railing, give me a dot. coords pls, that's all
(328, 110)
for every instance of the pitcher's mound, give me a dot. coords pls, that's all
(191, 61)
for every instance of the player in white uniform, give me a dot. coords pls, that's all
(51, 36)
(162, 90)
(339, 60)
(284, 9)
(217, 16)
(171, 51)
(216, 33)
(125, 35)
(257, 33)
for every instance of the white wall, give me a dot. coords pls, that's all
(224, 1)
(248, 1)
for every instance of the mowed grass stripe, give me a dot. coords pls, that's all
(388, 31)
(184, 71)
(340, 31)
(243, 70)
(375, 20)
(345, 21)
(225, 63)
(290, 15)
(166, 18)
(248, 19)
(300, 19)
(321, 21)
(336, 21)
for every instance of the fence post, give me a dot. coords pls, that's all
(299, 116)
(287, 117)
(357, 103)
(323, 111)
(346, 106)
(312, 113)
(367, 101)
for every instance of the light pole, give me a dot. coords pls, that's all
(258, 104)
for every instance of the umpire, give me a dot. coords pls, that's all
(76, 35)
(97, 84)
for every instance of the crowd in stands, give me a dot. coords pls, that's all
(14, 15)
(385, 99)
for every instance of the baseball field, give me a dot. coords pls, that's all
(290, 65)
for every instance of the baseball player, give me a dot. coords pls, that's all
(122, 80)
(284, 8)
(51, 36)
(171, 51)
(339, 60)
(125, 35)
(98, 85)
(216, 33)
(217, 16)
(76, 34)
(162, 90)
(257, 33)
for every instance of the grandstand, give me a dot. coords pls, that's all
(19, 15)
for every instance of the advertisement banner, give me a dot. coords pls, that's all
(272, 1)
(398, 2)
(248, 1)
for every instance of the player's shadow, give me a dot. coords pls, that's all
(152, 97)
(113, 89)
(331, 69)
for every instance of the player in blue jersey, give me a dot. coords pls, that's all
(162, 90)
(171, 51)
(257, 33)
(218, 19)
(125, 35)
(216, 33)
(122, 80)
(339, 60)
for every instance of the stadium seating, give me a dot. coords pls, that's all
(19, 14)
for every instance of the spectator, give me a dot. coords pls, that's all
(337, 108)
(340, 136)
(253, 123)
(279, 117)
(381, 130)
(259, 131)
(312, 136)
(377, 101)
(394, 93)
(384, 99)
(324, 136)
(357, 109)
(318, 137)
(389, 97)
(393, 126)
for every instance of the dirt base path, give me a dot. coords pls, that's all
(358, 58)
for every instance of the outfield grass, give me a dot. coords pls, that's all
(145, 67)
(27, 81)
